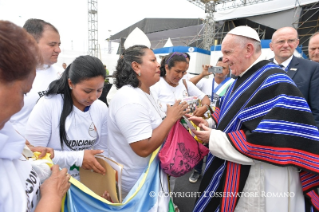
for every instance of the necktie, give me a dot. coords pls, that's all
(282, 67)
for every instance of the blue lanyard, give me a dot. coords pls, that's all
(212, 96)
(218, 87)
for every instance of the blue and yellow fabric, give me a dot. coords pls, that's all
(144, 196)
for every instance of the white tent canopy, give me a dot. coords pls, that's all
(137, 37)
(168, 43)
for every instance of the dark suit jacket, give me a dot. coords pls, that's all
(306, 77)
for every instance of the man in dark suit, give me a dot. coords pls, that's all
(303, 72)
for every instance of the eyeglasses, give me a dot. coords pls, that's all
(175, 53)
(282, 42)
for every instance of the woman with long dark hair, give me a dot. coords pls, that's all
(70, 119)
(136, 125)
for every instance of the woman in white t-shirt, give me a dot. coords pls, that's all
(20, 188)
(70, 118)
(136, 126)
(172, 87)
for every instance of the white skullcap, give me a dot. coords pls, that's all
(245, 31)
(137, 37)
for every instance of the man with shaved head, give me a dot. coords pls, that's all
(304, 73)
(264, 152)
(313, 47)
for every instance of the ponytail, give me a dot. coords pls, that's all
(125, 75)
(162, 68)
(61, 86)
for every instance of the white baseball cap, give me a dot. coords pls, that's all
(245, 31)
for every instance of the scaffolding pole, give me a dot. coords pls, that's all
(93, 47)
(209, 25)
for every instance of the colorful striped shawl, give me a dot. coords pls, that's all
(261, 113)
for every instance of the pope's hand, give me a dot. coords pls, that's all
(204, 134)
(198, 121)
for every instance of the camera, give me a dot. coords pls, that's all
(215, 69)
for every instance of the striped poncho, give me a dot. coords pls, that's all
(266, 118)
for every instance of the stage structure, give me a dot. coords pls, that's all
(93, 46)
(211, 6)
(307, 24)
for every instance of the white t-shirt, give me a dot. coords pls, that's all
(132, 117)
(85, 130)
(111, 94)
(205, 85)
(19, 184)
(39, 87)
(165, 94)
(188, 76)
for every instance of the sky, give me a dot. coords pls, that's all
(70, 16)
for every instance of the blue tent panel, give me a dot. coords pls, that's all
(187, 49)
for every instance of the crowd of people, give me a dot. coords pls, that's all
(262, 135)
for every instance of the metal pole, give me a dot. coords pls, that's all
(92, 28)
